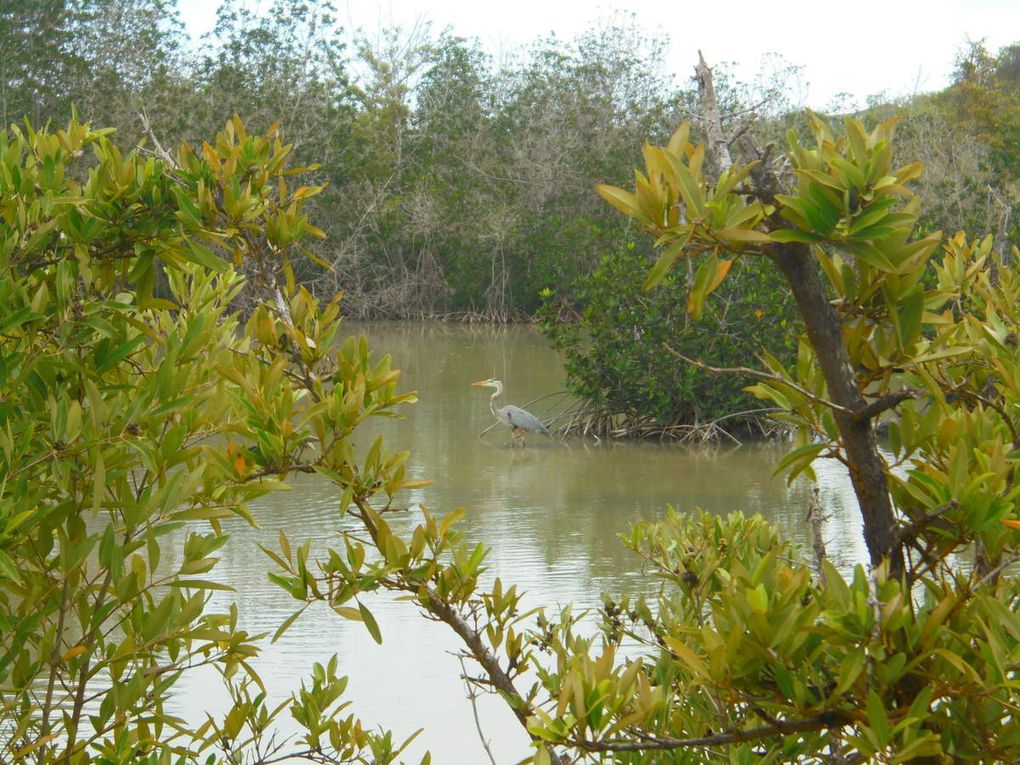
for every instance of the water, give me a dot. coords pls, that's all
(551, 514)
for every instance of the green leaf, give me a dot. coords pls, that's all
(926, 746)
(624, 201)
(370, 623)
(200, 584)
(286, 623)
(687, 656)
(878, 719)
(666, 260)
(871, 216)
(203, 256)
(732, 177)
(708, 277)
(868, 253)
(105, 361)
(678, 142)
(858, 140)
(803, 455)
(908, 318)
(853, 174)
(850, 669)
(8, 569)
(18, 318)
(785, 235)
(660, 269)
(743, 235)
(690, 190)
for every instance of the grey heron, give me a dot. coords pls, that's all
(518, 419)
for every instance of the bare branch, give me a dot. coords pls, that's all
(713, 122)
(160, 151)
(885, 403)
(761, 376)
(777, 728)
(472, 695)
(816, 520)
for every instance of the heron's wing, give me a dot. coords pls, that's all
(519, 418)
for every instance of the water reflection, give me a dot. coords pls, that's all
(551, 514)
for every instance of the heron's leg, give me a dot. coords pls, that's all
(519, 436)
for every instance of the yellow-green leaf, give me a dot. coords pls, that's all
(624, 201)
(370, 623)
(743, 235)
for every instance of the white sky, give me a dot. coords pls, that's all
(861, 47)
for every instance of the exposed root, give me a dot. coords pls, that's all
(580, 419)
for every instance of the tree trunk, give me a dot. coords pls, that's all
(825, 332)
(867, 468)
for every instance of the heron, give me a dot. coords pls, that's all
(518, 419)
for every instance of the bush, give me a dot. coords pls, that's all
(620, 346)
(126, 417)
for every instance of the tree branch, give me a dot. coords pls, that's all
(162, 153)
(777, 728)
(720, 147)
(816, 519)
(885, 403)
(473, 697)
(440, 609)
(761, 376)
(825, 332)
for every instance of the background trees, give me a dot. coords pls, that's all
(457, 183)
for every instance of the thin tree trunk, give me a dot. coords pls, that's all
(867, 468)
(825, 332)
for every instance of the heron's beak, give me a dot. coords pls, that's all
(479, 384)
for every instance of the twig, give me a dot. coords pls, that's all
(437, 608)
(908, 534)
(779, 727)
(816, 520)
(762, 376)
(742, 128)
(887, 401)
(997, 570)
(497, 422)
(761, 410)
(472, 697)
(163, 153)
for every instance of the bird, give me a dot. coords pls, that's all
(518, 419)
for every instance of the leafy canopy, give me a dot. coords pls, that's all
(139, 415)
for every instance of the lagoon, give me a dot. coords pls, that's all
(551, 514)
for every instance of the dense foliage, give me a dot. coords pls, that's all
(139, 412)
(620, 343)
(456, 183)
(624, 354)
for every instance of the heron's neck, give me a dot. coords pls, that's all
(492, 399)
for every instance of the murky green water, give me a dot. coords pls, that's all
(551, 514)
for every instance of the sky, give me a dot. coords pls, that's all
(862, 48)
